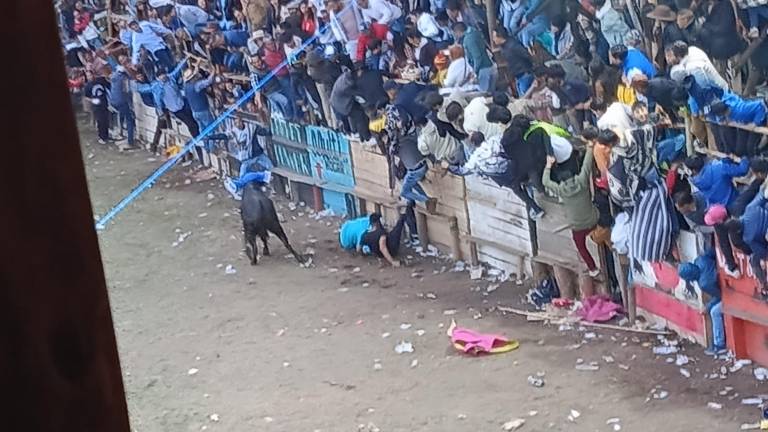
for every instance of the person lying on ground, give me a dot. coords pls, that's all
(368, 236)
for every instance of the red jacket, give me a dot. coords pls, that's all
(379, 31)
(273, 59)
(82, 21)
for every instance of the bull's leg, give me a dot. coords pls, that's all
(250, 246)
(278, 231)
(264, 239)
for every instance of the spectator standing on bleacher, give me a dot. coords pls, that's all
(477, 56)
(149, 36)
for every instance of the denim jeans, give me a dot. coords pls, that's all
(670, 149)
(281, 102)
(715, 311)
(127, 119)
(530, 32)
(486, 79)
(755, 13)
(412, 190)
(286, 88)
(164, 58)
(203, 119)
(522, 83)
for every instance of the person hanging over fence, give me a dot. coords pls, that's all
(416, 169)
(714, 178)
(748, 234)
(703, 271)
(195, 90)
(576, 196)
(487, 160)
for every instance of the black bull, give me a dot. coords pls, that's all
(259, 219)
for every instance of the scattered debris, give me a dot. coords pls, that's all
(385, 335)
(761, 373)
(430, 296)
(573, 415)
(513, 424)
(535, 381)
(181, 238)
(587, 367)
(192, 371)
(532, 413)
(377, 365)
(608, 359)
(449, 312)
(404, 347)
(491, 288)
(461, 416)
(590, 335)
(714, 406)
(405, 326)
(681, 360)
(752, 401)
(214, 417)
(749, 426)
(739, 364)
(684, 372)
(420, 332)
(230, 269)
(665, 350)
(268, 419)
(659, 394)
(414, 363)
(476, 273)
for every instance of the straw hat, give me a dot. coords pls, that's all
(189, 74)
(662, 13)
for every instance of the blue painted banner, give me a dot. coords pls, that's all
(292, 158)
(329, 155)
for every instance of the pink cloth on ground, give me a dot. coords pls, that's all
(475, 342)
(598, 309)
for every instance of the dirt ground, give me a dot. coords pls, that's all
(277, 347)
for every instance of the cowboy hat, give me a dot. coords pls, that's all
(189, 74)
(662, 13)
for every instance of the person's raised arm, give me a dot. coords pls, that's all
(586, 166)
(736, 169)
(546, 177)
(175, 72)
(204, 84)
(385, 251)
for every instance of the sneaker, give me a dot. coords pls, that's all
(735, 273)
(535, 214)
(715, 351)
(754, 33)
(229, 185)
(594, 273)
(102, 142)
(431, 205)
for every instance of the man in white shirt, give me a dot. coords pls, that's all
(150, 37)
(689, 60)
(382, 12)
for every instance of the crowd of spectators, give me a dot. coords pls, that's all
(578, 100)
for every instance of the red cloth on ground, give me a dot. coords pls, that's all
(598, 309)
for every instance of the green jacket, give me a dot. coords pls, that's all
(549, 128)
(474, 50)
(576, 195)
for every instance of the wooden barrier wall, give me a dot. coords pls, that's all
(499, 226)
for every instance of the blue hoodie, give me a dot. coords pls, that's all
(708, 273)
(755, 222)
(745, 111)
(715, 181)
(637, 60)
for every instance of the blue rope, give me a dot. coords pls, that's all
(149, 181)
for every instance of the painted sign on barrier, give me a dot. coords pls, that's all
(329, 155)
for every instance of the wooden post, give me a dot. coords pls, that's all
(60, 356)
(453, 226)
(490, 16)
(421, 227)
(541, 271)
(688, 136)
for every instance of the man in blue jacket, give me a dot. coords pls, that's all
(714, 178)
(195, 87)
(748, 234)
(703, 271)
(631, 61)
(477, 55)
